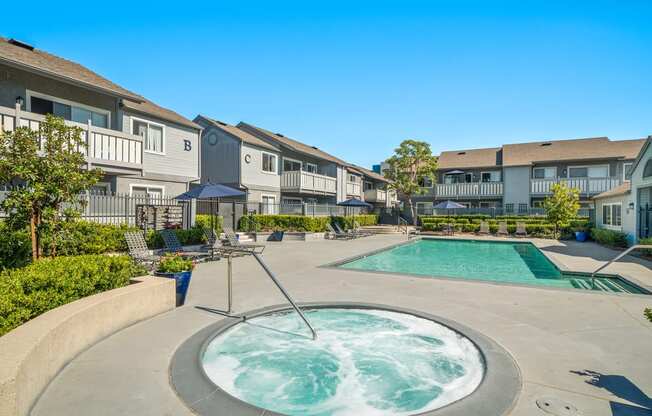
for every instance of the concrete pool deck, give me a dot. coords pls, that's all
(589, 349)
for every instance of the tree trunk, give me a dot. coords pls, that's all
(412, 211)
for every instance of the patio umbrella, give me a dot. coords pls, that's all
(448, 205)
(212, 192)
(354, 203)
(454, 172)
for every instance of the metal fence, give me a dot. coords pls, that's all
(495, 212)
(116, 209)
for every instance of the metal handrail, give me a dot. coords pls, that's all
(615, 259)
(401, 219)
(285, 293)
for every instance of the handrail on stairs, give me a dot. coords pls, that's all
(615, 259)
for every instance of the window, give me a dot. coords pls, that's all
(368, 186)
(269, 162)
(353, 178)
(151, 133)
(268, 204)
(68, 110)
(150, 191)
(493, 176)
(522, 208)
(290, 165)
(626, 173)
(612, 215)
(588, 171)
(544, 173)
(468, 177)
(310, 167)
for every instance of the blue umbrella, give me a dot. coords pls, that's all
(448, 205)
(354, 202)
(209, 190)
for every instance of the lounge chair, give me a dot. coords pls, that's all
(484, 228)
(173, 245)
(232, 241)
(352, 233)
(520, 229)
(447, 228)
(502, 228)
(139, 251)
(337, 233)
(360, 231)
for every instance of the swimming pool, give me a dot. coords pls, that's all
(496, 261)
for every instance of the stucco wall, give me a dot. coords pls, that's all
(32, 354)
(516, 185)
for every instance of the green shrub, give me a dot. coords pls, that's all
(173, 263)
(86, 237)
(15, 248)
(48, 283)
(609, 237)
(203, 220)
(648, 241)
(648, 314)
(262, 222)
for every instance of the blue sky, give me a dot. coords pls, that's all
(356, 77)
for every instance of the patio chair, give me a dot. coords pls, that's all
(520, 230)
(484, 228)
(173, 245)
(232, 241)
(360, 231)
(337, 234)
(139, 251)
(502, 228)
(447, 228)
(340, 230)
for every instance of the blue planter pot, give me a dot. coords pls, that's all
(182, 280)
(580, 235)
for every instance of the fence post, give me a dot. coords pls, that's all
(126, 203)
(303, 209)
(235, 225)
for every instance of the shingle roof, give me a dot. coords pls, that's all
(521, 154)
(295, 145)
(472, 158)
(49, 65)
(369, 173)
(622, 189)
(238, 133)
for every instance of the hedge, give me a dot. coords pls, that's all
(204, 220)
(609, 237)
(48, 283)
(535, 230)
(264, 222)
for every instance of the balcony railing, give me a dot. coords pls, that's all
(586, 186)
(468, 190)
(375, 195)
(307, 182)
(353, 188)
(104, 146)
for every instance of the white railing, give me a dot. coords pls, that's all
(353, 188)
(103, 145)
(586, 186)
(300, 181)
(375, 195)
(470, 189)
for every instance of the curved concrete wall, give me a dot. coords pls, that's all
(32, 354)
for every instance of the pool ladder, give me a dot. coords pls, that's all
(615, 259)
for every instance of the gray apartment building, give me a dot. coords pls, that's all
(141, 147)
(276, 170)
(516, 177)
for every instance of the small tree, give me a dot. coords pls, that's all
(648, 313)
(411, 164)
(562, 206)
(43, 177)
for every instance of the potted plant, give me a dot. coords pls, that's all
(176, 267)
(581, 234)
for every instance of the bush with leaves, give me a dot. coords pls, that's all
(562, 206)
(204, 220)
(27, 292)
(609, 238)
(15, 247)
(648, 314)
(174, 263)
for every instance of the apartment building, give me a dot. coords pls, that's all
(277, 170)
(141, 147)
(516, 177)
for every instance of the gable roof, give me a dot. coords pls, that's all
(292, 144)
(522, 154)
(639, 157)
(622, 189)
(52, 66)
(472, 158)
(237, 133)
(369, 173)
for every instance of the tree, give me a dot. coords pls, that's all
(46, 171)
(562, 206)
(648, 313)
(410, 165)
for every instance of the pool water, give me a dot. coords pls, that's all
(364, 362)
(483, 260)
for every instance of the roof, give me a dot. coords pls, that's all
(46, 64)
(237, 133)
(472, 158)
(295, 145)
(639, 157)
(521, 154)
(369, 173)
(622, 189)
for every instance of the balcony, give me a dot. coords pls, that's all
(353, 189)
(468, 190)
(309, 183)
(104, 146)
(375, 195)
(586, 186)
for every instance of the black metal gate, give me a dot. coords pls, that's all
(645, 221)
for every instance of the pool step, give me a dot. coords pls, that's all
(601, 284)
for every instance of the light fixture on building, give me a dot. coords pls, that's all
(20, 100)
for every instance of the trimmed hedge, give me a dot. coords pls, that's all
(544, 230)
(203, 220)
(264, 222)
(609, 237)
(46, 284)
